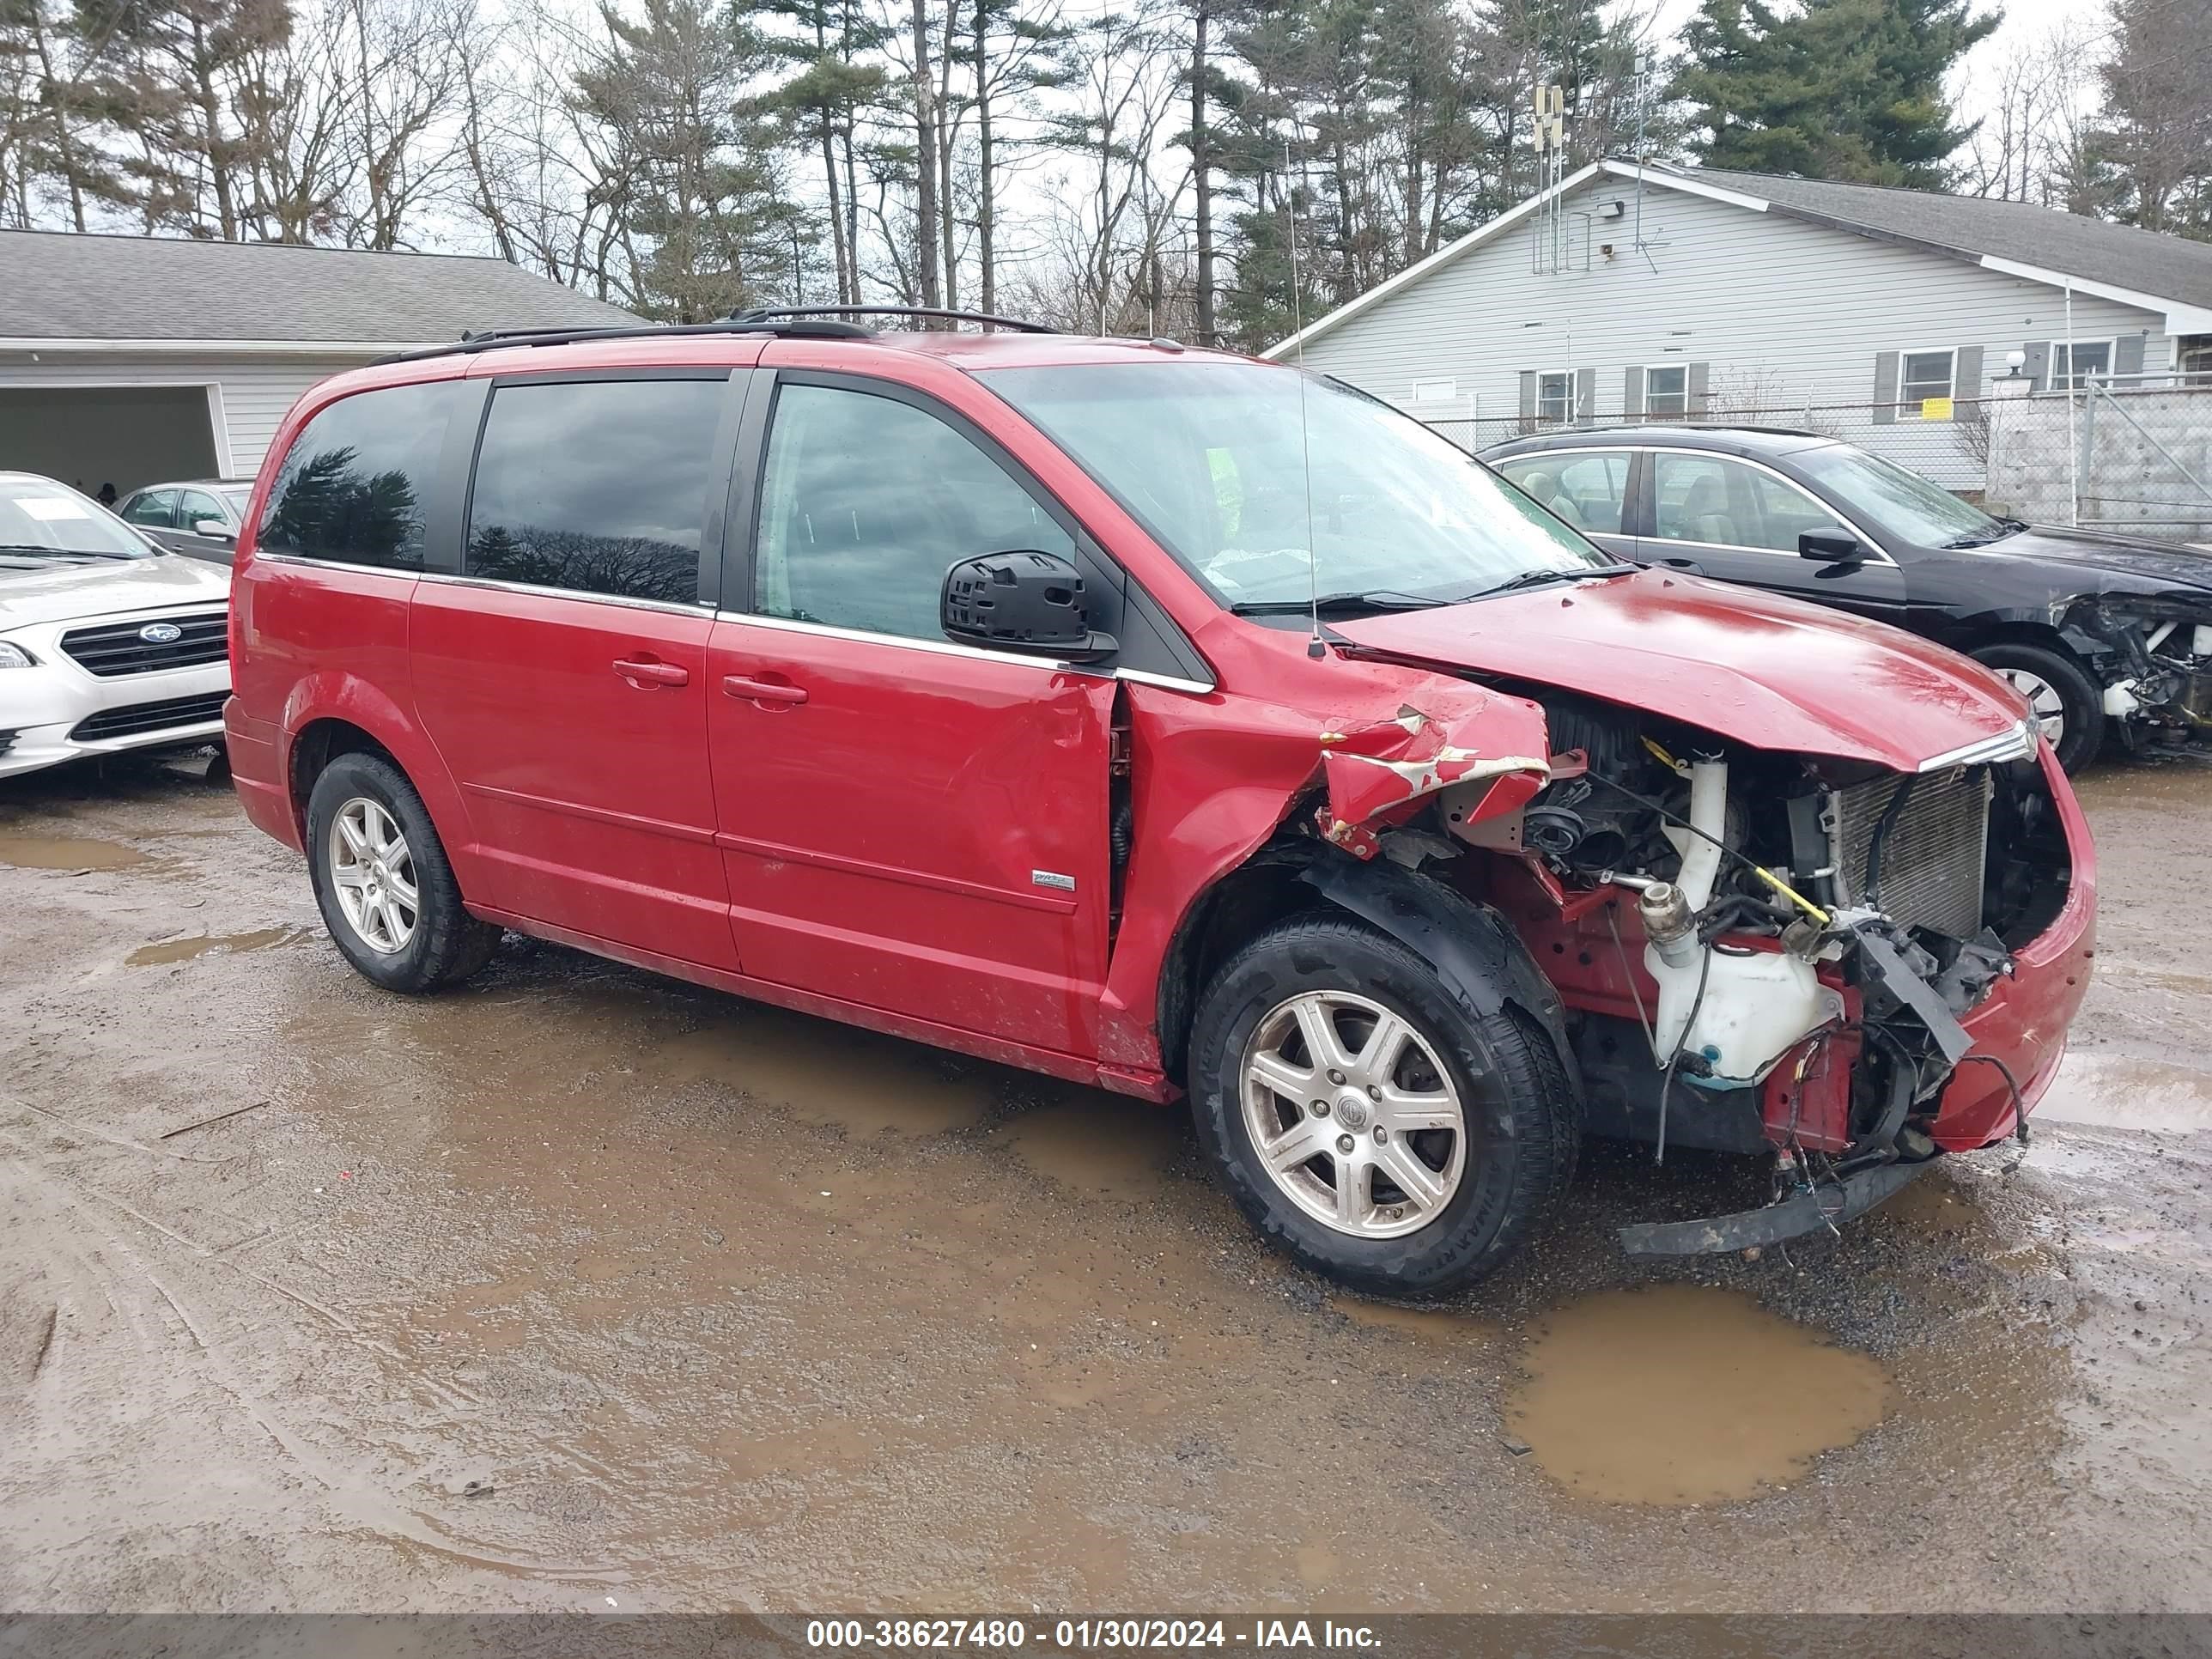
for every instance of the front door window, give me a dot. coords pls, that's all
(868, 500)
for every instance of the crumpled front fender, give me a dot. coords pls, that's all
(1463, 735)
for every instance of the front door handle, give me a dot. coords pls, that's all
(762, 691)
(1687, 567)
(646, 675)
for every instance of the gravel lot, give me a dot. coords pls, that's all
(581, 1284)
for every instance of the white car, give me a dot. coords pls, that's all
(107, 642)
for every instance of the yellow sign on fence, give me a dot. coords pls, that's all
(1935, 408)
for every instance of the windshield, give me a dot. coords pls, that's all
(40, 519)
(238, 499)
(1902, 502)
(1212, 459)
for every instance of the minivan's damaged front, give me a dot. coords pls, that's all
(1853, 954)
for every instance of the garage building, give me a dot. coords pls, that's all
(129, 360)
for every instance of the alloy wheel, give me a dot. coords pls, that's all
(372, 873)
(1353, 1115)
(2045, 707)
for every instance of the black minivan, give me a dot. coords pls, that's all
(2102, 635)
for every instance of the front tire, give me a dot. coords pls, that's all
(1369, 1121)
(381, 878)
(2066, 704)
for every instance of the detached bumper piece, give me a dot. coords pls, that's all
(1793, 1217)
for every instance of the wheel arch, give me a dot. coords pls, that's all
(327, 716)
(2062, 626)
(1471, 946)
(1239, 904)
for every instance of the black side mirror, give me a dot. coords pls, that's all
(1836, 546)
(1023, 601)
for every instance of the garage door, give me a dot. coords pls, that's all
(91, 435)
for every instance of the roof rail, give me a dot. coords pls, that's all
(493, 339)
(764, 313)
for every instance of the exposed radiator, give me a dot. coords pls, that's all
(1932, 858)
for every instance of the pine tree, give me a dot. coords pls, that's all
(1849, 89)
(824, 98)
(704, 197)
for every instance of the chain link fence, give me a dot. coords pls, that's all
(2130, 459)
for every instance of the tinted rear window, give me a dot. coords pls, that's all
(596, 486)
(355, 485)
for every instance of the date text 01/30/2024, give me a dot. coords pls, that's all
(845, 1635)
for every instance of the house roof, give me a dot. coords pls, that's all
(62, 287)
(2156, 272)
(2172, 267)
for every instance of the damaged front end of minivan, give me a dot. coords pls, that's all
(1847, 966)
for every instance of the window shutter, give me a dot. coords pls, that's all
(1585, 397)
(1885, 387)
(2128, 355)
(1700, 379)
(1527, 398)
(1966, 383)
(2037, 366)
(1632, 394)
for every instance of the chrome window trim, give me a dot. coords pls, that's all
(262, 555)
(451, 579)
(953, 648)
(1166, 682)
(1881, 554)
(2017, 744)
(624, 601)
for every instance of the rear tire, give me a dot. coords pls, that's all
(1427, 1209)
(2060, 693)
(381, 878)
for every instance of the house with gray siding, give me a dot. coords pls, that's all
(1889, 317)
(132, 360)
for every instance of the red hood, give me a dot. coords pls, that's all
(1771, 672)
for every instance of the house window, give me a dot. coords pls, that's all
(2194, 359)
(1666, 389)
(1435, 392)
(2072, 367)
(1555, 398)
(1922, 375)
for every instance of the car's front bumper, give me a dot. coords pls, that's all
(2023, 1020)
(56, 710)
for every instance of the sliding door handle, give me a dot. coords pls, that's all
(646, 675)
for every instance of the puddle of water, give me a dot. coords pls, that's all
(2187, 985)
(200, 945)
(2128, 1094)
(861, 1081)
(1679, 1394)
(1433, 1325)
(1100, 1143)
(67, 852)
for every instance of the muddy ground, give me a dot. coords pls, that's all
(578, 1288)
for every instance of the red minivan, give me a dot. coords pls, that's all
(1163, 719)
